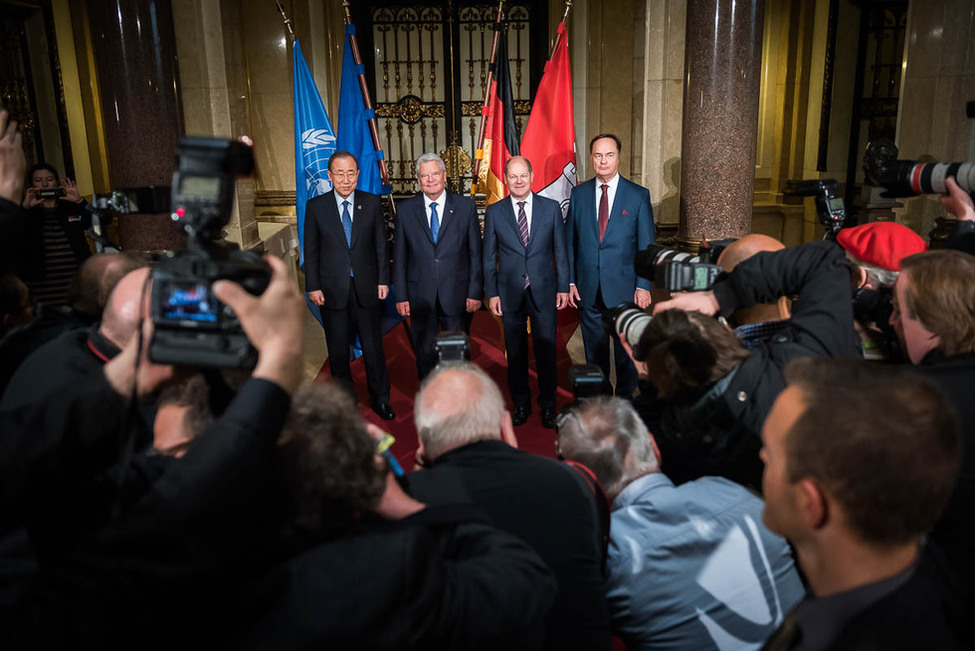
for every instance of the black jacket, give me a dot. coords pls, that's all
(721, 433)
(954, 533)
(435, 580)
(547, 505)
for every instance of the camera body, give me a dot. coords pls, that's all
(50, 193)
(906, 178)
(190, 325)
(676, 271)
(452, 346)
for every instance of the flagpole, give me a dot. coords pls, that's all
(487, 97)
(558, 35)
(287, 21)
(367, 101)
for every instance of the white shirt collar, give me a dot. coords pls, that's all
(527, 200)
(613, 182)
(440, 201)
(350, 199)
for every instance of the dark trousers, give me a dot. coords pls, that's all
(596, 340)
(340, 327)
(544, 325)
(426, 323)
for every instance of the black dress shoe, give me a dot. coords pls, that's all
(384, 410)
(548, 417)
(520, 416)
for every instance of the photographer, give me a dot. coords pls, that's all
(204, 518)
(53, 233)
(705, 396)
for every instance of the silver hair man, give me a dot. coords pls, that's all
(456, 405)
(608, 437)
(430, 157)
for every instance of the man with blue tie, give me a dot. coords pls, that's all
(347, 275)
(526, 276)
(436, 260)
(610, 219)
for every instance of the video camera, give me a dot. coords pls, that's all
(676, 271)
(190, 325)
(906, 178)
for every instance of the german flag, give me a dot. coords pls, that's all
(500, 140)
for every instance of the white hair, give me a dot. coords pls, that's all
(608, 437)
(457, 404)
(430, 157)
(879, 276)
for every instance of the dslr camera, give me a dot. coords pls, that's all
(676, 271)
(190, 325)
(906, 178)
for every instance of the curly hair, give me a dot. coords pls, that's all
(328, 461)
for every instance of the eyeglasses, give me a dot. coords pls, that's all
(344, 175)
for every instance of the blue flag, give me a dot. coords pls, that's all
(354, 135)
(314, 143)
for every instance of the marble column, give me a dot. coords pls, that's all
(722, 71)
(135, 55)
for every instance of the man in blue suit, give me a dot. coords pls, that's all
(526, 276)
(610, 219)
(436, 260)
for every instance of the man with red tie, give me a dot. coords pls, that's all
(610, 219)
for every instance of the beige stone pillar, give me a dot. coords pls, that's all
(722, 68)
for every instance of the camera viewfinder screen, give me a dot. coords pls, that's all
(203, 187)
(190, 301)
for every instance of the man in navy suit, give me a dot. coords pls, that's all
(610, 219)
(347, 274)
(436, 260)
(526, 275)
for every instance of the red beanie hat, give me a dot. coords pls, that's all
(882, 244)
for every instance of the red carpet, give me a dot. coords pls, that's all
(486, 352)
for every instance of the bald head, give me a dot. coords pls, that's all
(95, 280)
(456, 405)
(740, 251)
(745, 248)
(126, 307)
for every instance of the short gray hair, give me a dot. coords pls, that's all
(599, 433)
(879, 276)
(430, 157)
(457, 404)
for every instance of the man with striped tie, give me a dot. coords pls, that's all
(526, 276)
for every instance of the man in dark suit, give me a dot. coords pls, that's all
(347, 274)
(858, 520)
(466, 434)
(610, 219)
(436, 260)
(523, 235)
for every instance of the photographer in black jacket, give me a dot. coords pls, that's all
(704, 395)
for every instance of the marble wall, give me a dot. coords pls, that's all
(939, 78)
(663, 98)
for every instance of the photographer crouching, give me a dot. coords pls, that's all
(703, 395)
